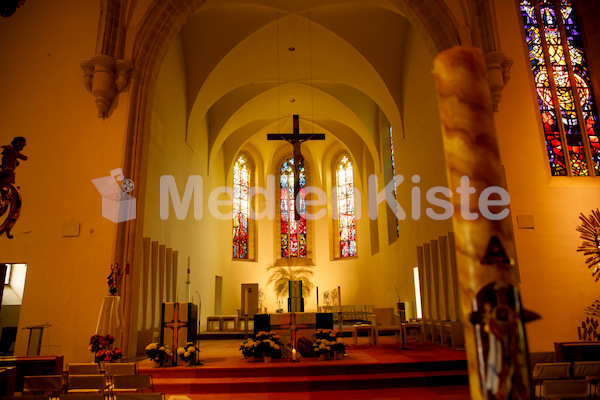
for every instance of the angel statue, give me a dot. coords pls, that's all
(10, 198)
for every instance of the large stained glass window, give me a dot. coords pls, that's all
(241, 183)
(345, 198)
(293, 233)
(565, 98)
(394, 175)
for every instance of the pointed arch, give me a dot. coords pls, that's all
(292, 232)
(346, 222)
(241, 203)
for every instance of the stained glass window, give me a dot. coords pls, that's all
(293, 233)
(241, 183)
(394, 176)
(565, 98)
(345, 198)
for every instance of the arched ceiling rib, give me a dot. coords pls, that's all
(346, 67)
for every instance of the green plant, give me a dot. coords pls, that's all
(280, 277)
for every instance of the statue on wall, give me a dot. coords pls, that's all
(10, 198)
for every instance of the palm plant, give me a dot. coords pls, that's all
(280, 276)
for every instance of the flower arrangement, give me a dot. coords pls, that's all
(249, 348)
(339, 346)
(158, 353)
(109, 355)
(100, 342)
(188, 352)
(266, 344)
(326, 342)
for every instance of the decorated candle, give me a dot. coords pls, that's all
(491, 305)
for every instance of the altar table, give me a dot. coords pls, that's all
(283, 324)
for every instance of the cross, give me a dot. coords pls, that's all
(293, 327)
(175, 325)
(295, 139)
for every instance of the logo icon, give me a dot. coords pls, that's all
(117, 204)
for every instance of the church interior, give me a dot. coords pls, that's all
(189, 109)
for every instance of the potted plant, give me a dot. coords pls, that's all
(250, 348)
(269, 345)
(158, 353)
(339, 348)
(187, 354)
(100, 343)
(109, 355)
(280, 277)
(325, 339)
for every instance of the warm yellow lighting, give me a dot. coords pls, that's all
(417, 292)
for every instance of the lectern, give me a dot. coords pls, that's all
(179, 325)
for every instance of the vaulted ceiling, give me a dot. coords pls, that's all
(252, 64)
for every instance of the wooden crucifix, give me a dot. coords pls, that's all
(295, 139)
(175, 325)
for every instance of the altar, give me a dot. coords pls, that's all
(286, 325)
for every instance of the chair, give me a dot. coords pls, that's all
(27, 397)
(87, 383)
(140, 396)
(413, 326)
(590, 370)
(567, 388)
(452, 334)
(362, 328)
(129, 383)
(83, 369)
(549, 371)
(48, 385)
(112, 369)
(80, 396)
(387, 321)
(120, 369)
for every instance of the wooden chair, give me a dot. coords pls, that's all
(590, 370)
(543, 372)
(48, 385)
(87, 383)
(387, 321)
(140, 396)
(120, 369)
(80, 396)
(27, 397)
(132, 383)
(565, 388)
(415, 327)
(112, 369)
(83, 369)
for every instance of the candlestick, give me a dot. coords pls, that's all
(317, 299)
(340, 298)
(246, 301)
(187, 283)
(294, 355)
